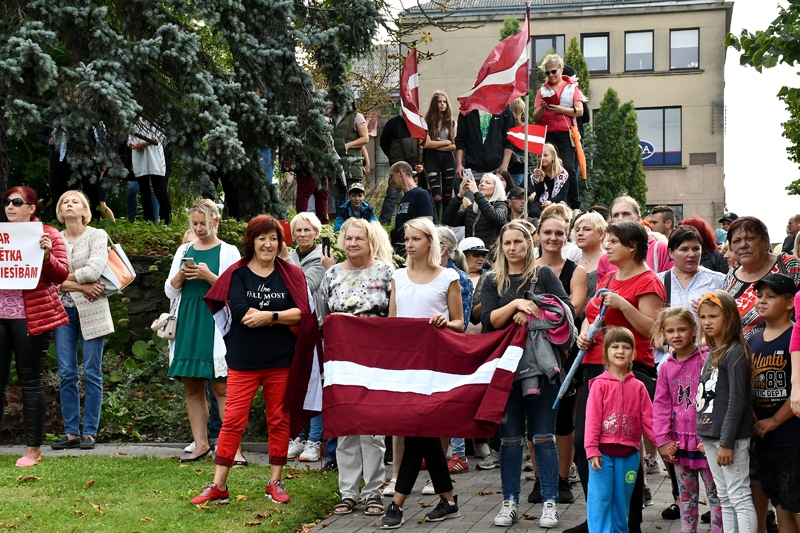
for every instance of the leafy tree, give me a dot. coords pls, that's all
(511, 26)
(574, 58)
(614, 158)
(778, 43)
(220, 79)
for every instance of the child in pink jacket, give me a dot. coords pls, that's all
(618, 410)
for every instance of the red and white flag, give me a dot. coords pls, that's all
(536, 137)
(503, 76)
(403, 376)
(409, 97)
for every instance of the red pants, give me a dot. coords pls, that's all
(306, 186)
(242, 387)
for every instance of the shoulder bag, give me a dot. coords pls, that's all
(118, 273)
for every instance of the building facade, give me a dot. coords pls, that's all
(665, 55)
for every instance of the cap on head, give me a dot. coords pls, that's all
(357, 186)
(728, 217)
(516, 192)
(472, 244)
(779, 283)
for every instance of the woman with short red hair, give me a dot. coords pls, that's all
(262, 306)
(711, 257)
(27, 318)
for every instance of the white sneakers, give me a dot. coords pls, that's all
(428, 488)
(651, 465)
(190, 448)
(492, 461)
(482, 451)
(310, 452)
(389, 489)
(508, 515)
(296, 447)
(549, 517)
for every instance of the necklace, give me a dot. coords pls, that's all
(589, 263)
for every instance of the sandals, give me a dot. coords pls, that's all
(345, 506)
(374, 506)
(195, 459)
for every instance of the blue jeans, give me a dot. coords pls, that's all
(610, 490)
(517, 179)
(315, 430)
(66, 340)
(459, 446)
(541, 419)
(132, 201)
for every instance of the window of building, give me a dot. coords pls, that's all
(544, 43)
(595, 51)
(638, 51)
(660, 135)
(684, 49)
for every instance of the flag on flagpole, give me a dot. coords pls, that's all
(409, 97)
(403, 376)
(536, 137)
(503, 76)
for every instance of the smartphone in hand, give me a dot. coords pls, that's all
(326, 246)
(188, 261)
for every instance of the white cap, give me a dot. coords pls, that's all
(472, 244)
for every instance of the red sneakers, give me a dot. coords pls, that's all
(211, 494)
(457, 464)
(276, 492)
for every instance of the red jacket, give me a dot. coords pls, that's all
(43, 309)
(617, 412)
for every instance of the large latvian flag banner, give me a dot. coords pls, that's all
(404, 376)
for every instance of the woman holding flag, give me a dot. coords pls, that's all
(558, 102)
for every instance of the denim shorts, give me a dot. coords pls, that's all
(779, 474)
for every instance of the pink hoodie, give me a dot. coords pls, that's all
(617, 413)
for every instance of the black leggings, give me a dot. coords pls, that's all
(441, 169)
(30, 352)
(162, 195)
(417, 449)
(563, 143)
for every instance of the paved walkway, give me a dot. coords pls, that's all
(478, 493)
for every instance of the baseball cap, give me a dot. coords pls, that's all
(357, 186)
(780, 283)
(728, 217)
(516, 192)
(472, 244)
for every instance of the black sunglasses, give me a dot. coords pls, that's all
(18, 202)
(551, 72)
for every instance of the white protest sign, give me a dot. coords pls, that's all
(20, 254)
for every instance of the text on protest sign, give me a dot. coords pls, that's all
(20, 254)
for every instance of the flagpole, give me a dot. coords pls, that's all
(527, 108)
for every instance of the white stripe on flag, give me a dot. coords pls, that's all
(413, 82)
(504, 77)
(531, 138)
(416, 381)
(413, 117)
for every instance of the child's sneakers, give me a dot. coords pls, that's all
(276, 492)
(651, 465)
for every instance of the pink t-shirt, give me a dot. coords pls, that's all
(12, 305)
(794, 344)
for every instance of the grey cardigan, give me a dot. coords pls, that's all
(311, 265)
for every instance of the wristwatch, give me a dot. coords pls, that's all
(274, 317)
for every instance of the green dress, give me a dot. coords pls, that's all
(194, 337)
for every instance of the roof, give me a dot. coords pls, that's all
(474, 7)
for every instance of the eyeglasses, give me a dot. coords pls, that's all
(551, 72)
(17, 202)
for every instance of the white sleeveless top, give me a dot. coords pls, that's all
(422, 301)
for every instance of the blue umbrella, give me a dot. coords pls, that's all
(593, 329)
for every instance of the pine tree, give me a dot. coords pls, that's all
(511, 26)
(220, 79)
(574, 58)
(615, 167)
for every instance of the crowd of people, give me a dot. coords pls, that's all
(689, 352)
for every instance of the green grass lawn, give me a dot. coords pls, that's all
(149, 494)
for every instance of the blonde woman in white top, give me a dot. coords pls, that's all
(424, 290)
(89, 320)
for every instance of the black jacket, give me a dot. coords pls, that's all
(485, 224)
(397, 143)
(480, 155)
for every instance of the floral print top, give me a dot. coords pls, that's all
(357, 292)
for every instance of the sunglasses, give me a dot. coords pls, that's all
(551, 72)
(16, 202)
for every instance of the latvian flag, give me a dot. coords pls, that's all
(403, 376)
(536, 137)
(503, 76)
(409, 98)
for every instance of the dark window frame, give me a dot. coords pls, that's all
(670, 49)
(608, 50)
(652, 50)
(664, 134)
(553, 38)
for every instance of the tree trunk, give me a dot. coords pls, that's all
(4, 155)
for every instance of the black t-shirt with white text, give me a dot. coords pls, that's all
(772, 386)
(266, 346)
(415, 203)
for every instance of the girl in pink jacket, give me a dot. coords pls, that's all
(675, 415)
(618, 410)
